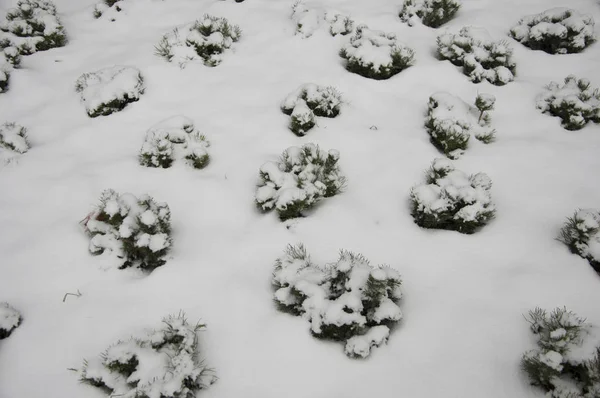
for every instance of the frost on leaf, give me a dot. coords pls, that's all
(10, 319)
(301, 178)
(581, 234)
(450, 122)
(432, 13)
(376, 55)
(162, 363)
(171, 139)
(109, 90)
(309, 101)
(555, 31)
(206, 39)
(130, 231)
(453, 200)
(478, 54)
(349, 300)
(566, 361)
(576, 103)
(13, 141)
(33, 26)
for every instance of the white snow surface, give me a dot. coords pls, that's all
(463, 331)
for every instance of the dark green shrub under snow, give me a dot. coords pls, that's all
(308, 20)
(10, 319)
(308, 101)
(375, 54)
(555, 31)
(452, 200)
(450, 122)
(301, 178)
(480, 56)
(110, 89)
(206, 39)
(564, 364)
(162, 363)
(10, 59)
(348, 301)
(130, 231)
(109, 9)
(576, 103)
(171, 139)
(13, 137)
(33, 26)
(581, 234)
(432, 13)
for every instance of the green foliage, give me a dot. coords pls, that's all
(578, 232)
(433, 13)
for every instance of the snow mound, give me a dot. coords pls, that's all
(10, 319)
(581, 233)
(163, 363)
(480, 56)
(566, 361)
(301, 178)
(308, 101)
(555, 31)
(432, 13)
(450, 122)
(109, 90)
(375, 54)
(576, 103)
(452, 200)
(309, 20)
(347, 301)
(130, 231)
(33, 26)
(174, 138)
(206, 39)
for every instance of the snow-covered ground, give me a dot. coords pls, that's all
(464, 296)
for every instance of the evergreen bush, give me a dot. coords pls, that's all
(432, 13)
(576, 103)
(9, 59)
(348, 301)
(450, 199)
(480, 56)
(13, 137)
(174, 138)
(33, 26)
(339, 24)
(450, 122)
(10, 319)
(308, 101)
(130, 231)
(581, 234)
(555, 31)
(301, 178)
(207, 39)
(376, 55)
(162, 363)
(109, 9)
(308, 20)
(563, 364)
(109, 90)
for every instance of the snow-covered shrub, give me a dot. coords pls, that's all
(450, 122)
(302, 177)
(576, 103)
(339, 24)
(10, 319)
(131, 231)
(308, 20)
(108, 9)
(9, 60)
(13, 137)
(480, 56)
(33, 26)
(109, 90)
(348, 301)
(432, 13)
(174, 138)
(452, 200)
(308, 101)
(161, 363)
(581, 234)
(565, 363)
(206, 39)
(555, 31)
(376, 55)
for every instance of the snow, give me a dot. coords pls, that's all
(464, 295)
(9, 319)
